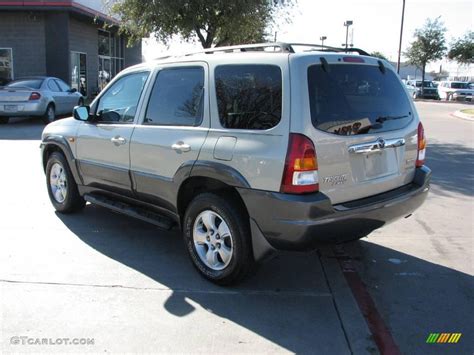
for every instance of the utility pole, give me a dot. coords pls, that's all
(347, 24)
(275, 36)
(322, 38)
(401, 35)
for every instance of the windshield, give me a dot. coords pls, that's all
(356, 99)
(427, 84)
(26, 83)
(459, 86)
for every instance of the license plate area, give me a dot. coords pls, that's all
(10, 108)
(374, 165)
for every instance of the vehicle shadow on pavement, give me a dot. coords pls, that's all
(22, 128)
(416, 297)
(445, 161)
(286, 302)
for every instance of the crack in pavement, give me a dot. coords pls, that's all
(179, 290)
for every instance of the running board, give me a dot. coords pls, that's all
(131, 210)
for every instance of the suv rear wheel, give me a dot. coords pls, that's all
(62, 188)
(217, 237)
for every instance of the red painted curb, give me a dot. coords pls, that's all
(382, 335)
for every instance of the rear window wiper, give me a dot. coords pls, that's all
(382, 119)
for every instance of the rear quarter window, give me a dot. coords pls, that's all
(249, 96)
(348, 99)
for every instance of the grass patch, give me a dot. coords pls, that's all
(469, 111)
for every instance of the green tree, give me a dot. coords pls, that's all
(378, 54)
(213, 22)
(462, 50)
(429, 45)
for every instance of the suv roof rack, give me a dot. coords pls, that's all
(277, 47)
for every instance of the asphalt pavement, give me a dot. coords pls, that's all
(124, 286)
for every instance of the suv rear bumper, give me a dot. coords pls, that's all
(302, 222)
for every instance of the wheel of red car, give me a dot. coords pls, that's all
(62, 188)
(217, 236)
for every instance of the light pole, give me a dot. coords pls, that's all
(322, 38)
(347, 24)
(401, 35)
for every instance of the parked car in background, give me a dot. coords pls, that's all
(411, 90)
(245, 158)
(455, 90)
(37, 96)
(429, 89)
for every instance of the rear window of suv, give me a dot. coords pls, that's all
(348, 99)
(249, 96)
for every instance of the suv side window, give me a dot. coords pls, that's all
(119, 103)
(249, 96)
(177, 98)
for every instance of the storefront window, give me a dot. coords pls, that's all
(110, 57)
(6, 66)
(104, 43)
(79, 72)
(105, 73)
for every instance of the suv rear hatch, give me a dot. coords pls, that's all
(363, 126)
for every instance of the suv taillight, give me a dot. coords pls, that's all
(35, 96)
(301, 166)
(420, 159)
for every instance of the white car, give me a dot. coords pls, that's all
(455, 90)
(411, 90)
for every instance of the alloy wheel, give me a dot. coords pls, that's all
(58, 182)
(213, 240)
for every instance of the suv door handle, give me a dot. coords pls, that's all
(181, 147)
(118, 140)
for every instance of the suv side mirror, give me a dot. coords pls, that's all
(81, 113)
(73, 90)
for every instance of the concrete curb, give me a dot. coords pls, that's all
(444, 101)
(463, 116)
(355, 327)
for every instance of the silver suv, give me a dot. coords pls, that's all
(247, 149)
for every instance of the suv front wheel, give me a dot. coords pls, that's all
(217, 236)
(62, 188)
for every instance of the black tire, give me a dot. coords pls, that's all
(4, 120)
(73, 202)
(49, 117)
(242, 261)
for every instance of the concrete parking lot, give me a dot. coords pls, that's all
(131, 288)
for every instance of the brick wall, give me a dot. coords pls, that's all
(24, 33)
(83, 38)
